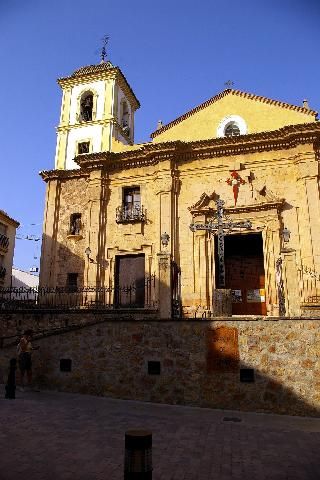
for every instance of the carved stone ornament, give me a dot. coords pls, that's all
(164, 262)
(163, 185)
(204, 201)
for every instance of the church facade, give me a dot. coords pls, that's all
(217, 215)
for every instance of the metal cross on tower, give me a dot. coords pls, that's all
(105, 41)
(220, 228)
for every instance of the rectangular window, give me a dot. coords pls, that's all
(72, 282)
(75, 224)
(83, 147)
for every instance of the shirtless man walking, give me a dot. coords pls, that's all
(24, 351)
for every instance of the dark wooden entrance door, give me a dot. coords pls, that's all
(130, 281)
(245, 273)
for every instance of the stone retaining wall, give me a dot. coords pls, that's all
(200, 361)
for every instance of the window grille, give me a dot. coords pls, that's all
(75, 224)
(131, 209)
(83, 147)
(231, 130)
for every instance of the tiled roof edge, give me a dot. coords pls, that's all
(9, 219)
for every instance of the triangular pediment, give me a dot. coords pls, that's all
(258, 114)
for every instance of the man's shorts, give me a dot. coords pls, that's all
(25, 364)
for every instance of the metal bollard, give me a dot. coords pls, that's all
(138, 455)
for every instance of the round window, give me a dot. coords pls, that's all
(231, 130)
(232, 126)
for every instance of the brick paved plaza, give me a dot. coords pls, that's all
(59, 436)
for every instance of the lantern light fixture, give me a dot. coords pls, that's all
(286, 235)
(165, 237)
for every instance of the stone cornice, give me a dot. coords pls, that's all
(72, 126)
(93, 73)
(8, 220)
(151, 153)
(47, 175)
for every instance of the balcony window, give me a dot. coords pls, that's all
(131, 209)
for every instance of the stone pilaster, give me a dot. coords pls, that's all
(309, 213)
(164, 185)
(98, 193)
(65, 108)
(49, 238)
(165, 288)
(271, 248)
(201, 274)
(291, 283)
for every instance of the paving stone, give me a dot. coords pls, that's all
(59, 436)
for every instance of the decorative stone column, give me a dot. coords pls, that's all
(165, 288)
(201, 268)
(271, 249)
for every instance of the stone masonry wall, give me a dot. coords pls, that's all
(111, 358)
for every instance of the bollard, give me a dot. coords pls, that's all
(138, 455)
(11, 382)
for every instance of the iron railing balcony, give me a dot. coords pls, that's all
(4, 241)
(125, 214)
(3, 271)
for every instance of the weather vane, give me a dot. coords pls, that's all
(229, 83)
(103, 54)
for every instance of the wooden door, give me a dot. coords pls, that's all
(245, 274)
(130, 281)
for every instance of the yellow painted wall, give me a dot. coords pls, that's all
(258, 116)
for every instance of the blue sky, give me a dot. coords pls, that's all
(175, 55)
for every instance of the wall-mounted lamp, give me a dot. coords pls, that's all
(103, 263)
(286, 234)
(88, 253)
(165, 237)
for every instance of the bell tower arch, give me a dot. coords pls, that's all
(97, 113)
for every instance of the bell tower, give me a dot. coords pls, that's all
(97, 113)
